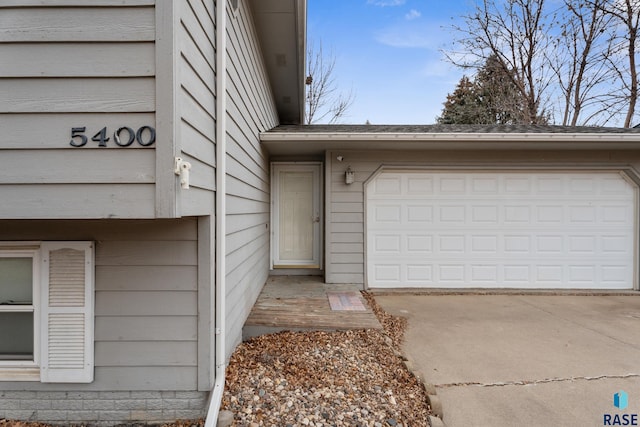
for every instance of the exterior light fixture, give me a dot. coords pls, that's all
(349, 176)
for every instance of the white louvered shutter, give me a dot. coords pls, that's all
(67, 312)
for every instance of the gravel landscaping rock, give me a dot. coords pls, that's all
(345, 378)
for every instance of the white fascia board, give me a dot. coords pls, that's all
(492, 137)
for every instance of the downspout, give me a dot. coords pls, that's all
(221, 210)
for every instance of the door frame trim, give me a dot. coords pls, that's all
(318, 235)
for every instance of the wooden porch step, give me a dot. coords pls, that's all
(301, 313)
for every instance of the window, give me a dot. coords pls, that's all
(18, 300)
(46, 311)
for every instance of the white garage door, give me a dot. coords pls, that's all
(501, 230)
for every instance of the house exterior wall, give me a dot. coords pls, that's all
(146, 332)
(345, 204)
(250, 110)
(118, 64)
(195, 106)
(106, 65)
(55, 82)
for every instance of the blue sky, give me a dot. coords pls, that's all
(388, 51)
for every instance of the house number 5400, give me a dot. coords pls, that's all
(123, 137)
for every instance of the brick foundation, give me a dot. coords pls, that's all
(102, 408)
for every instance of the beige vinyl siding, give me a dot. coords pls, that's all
(55, 22)
(53, 131)
(145, 301)
(89, 59)
(345, 225)
(55, 81)
(195, 93)
(345, 256)
(250, 110)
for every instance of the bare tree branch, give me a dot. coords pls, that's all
(323, 102)
(573, 62)
(627, 13)
(578, 59)
(513, 32)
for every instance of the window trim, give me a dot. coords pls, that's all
(25, 250)
(45, 368)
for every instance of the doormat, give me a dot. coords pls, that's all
(345, 301)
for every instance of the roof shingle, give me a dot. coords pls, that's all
(440, 128)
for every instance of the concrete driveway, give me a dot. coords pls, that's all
(525, 360)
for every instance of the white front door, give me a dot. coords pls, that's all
(296, 215)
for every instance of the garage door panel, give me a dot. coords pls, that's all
(419, 273)
(449, 244)
(514, 244)
(417, 185)
(451, 274)
(548, 185)
(388, 213)
(388, 272)
(485, 185)
(582, 214)
(514, 185)
(550, 214)
(452, 214)
(517, 275)
(549, 244)
(582, 185)
(614, 186)
(387, 243)
(615, 274)
(419, 244)
(484, 244)
(484, 273)
(501, 229)
(616, 244)
(517, 214)
(582, 244)
(452, 185)
(581, 274)
(388, 185)
(484, 214)
(419, 214)
(620, 214)
(549, 274)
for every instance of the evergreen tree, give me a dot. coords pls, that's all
(500, 100)
(461, 106)
(490, 98)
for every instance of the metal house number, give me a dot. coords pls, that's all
(123, 137)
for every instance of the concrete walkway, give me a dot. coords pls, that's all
(522, 360)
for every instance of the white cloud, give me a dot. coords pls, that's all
(410, 40)
(411, 35)
(443, 71)
(414, 33)
(385, 3)
(413, 14)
